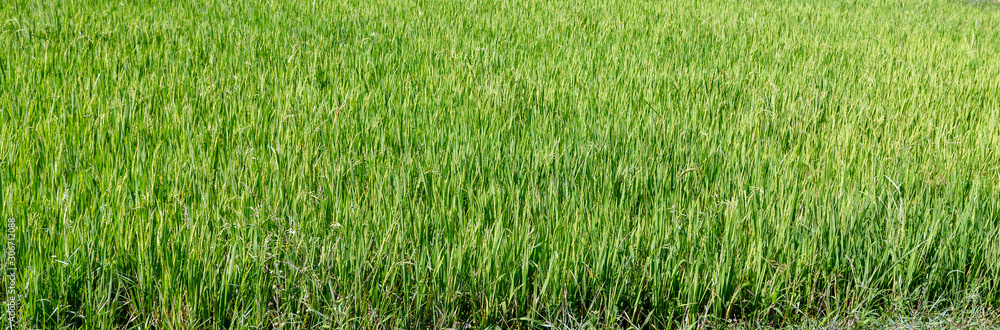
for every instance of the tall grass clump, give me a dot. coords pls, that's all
(451, 164)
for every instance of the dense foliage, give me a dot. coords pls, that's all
(435, 163)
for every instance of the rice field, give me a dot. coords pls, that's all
(236, 164)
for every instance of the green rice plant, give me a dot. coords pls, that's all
(442, 164)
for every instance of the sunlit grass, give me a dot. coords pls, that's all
(299, 164)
